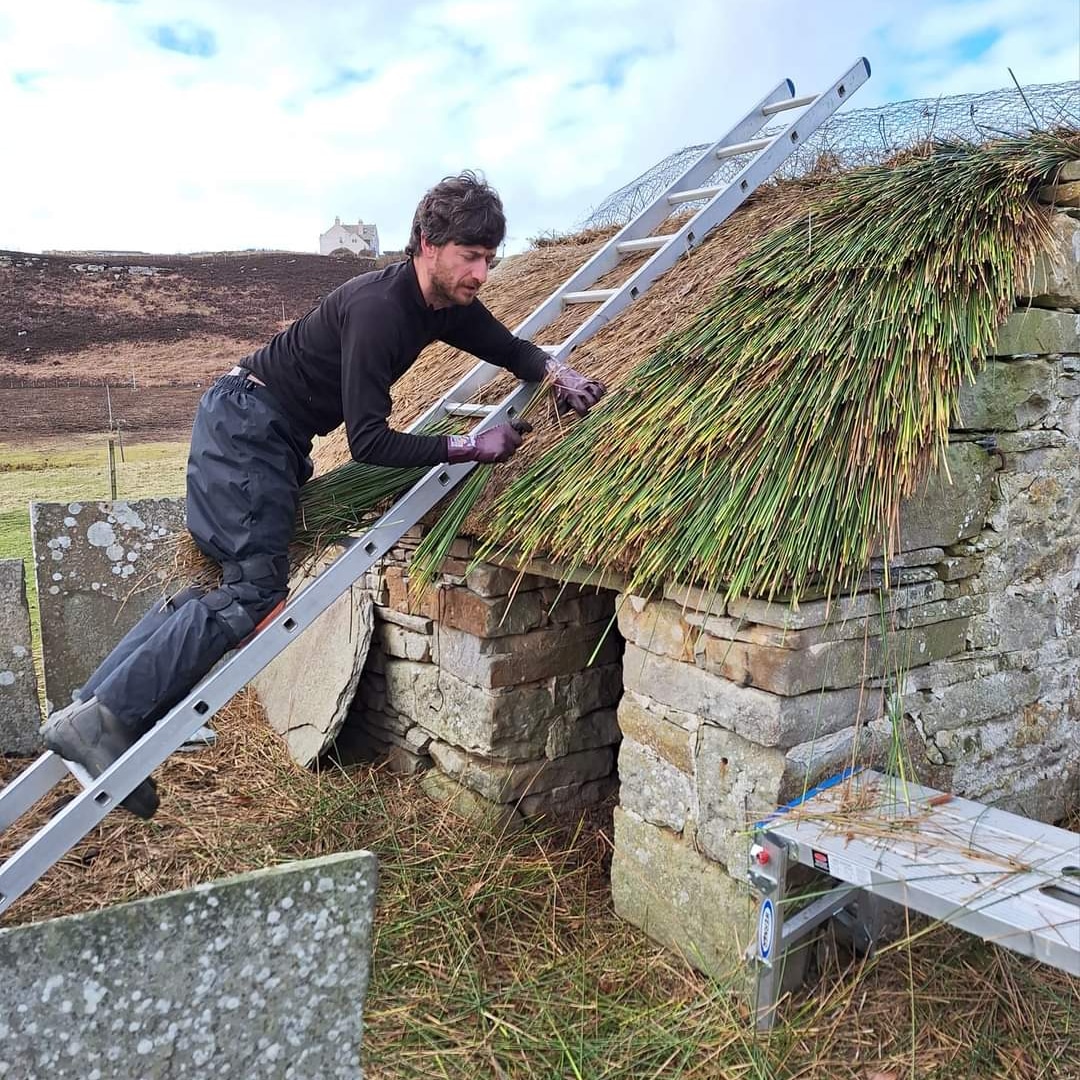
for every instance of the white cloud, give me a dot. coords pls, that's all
(273, 117)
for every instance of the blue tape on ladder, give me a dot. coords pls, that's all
(839, 778)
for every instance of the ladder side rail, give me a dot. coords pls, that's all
(607, 258)
(723, 204)
(56, 838)
(642, 224)
(30, 785)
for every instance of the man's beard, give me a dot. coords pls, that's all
(445, 290)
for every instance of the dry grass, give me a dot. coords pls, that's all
(196, 359)
(505, 959)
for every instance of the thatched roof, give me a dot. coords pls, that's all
(778, 391)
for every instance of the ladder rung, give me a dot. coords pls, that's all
(693, 194)
(791, 103)
(742, 148)
(461, 408)
(589, 296)
(646, 243)
(551, 349)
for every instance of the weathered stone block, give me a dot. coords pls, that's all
(678, 897)
(256, 976)
(653, 788)
(415, 624)
(20, 713)
(738, 782)
(505, 783)
(496, 662)
(90, 558)
(499, 818)
(1007, 396)
(491, 581)
(942, 512)
(812, 762)
(569, 799)
(696, 598)
(834, 664)
(965, 703)
(670, 739)
(1061, 194)
(463, 609)
(405, 644)
(658, 627)
(767, 719)
(307, 691)
(568, 734)
(1055, 278)
(837, 612)
(1038, 332)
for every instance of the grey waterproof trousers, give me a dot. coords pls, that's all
(245, 470)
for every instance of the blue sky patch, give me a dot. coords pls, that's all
(344, 78)
(184, 37)
(972, 46)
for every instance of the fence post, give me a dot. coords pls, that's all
(112, 468)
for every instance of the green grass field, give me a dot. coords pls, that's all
(79, 473)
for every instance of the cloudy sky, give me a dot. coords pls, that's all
(187, 125)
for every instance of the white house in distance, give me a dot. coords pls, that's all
(358, 239)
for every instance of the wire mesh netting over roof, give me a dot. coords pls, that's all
(869, 137)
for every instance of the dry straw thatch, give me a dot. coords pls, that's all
(775, 395)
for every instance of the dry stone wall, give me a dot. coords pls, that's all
(488, 679)
(962, 655)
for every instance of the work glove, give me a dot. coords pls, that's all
(573, 391)
(495, 444)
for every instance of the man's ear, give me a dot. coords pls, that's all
(427, 248)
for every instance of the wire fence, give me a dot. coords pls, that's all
(868, 137)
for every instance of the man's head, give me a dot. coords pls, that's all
(456, 230)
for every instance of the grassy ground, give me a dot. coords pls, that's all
(500, 958)
(77, 472)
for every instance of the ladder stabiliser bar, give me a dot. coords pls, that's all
(1003, 877)
(50, 843)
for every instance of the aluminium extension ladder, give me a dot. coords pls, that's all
(50, 843)
(1000, 876)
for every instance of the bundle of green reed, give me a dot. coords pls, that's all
(769, 446)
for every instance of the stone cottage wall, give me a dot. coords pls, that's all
(966, 660)
(496, 693)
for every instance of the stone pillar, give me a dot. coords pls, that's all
(506, 683)
(20, 713)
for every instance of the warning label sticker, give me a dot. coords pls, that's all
(821, 861)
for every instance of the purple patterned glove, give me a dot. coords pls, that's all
(495, 444)
(572, 389)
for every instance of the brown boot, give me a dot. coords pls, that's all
(88, 733)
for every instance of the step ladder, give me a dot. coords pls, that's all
(1003, 877)
(50, 843)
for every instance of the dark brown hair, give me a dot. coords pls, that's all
(462, 209)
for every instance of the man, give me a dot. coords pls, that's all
(250, 447)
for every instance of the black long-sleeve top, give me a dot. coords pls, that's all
(338, 362)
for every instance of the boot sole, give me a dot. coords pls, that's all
(143, 800)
